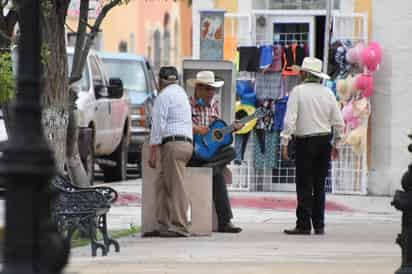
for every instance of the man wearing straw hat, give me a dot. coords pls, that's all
(204, 111)
(312, 113)
(171, 133)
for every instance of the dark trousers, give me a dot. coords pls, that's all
(220, 193)
(312, 163)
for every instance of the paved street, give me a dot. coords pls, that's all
(359, 239)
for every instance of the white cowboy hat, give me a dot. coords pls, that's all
(206, 77)
(313, 66)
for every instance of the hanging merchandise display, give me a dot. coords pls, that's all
(249, 58)
(354, 92)
(246, 92)
(266, 149)
(268, 85)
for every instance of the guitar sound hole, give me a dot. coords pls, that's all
(218, 135)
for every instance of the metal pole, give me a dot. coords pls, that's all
(328, 27)
(32, 244)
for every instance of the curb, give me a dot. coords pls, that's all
(250, 202)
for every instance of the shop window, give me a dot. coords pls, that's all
(176, 43)
(293, 4)
(166, 47)
(157, 50)
(122, 46)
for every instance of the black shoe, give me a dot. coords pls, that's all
(297, 231)
(172, 234)
(319, 231)
(229, 228)
(154, 233)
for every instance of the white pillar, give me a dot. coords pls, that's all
(391, 103)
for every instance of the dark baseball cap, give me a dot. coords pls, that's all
(168, 73)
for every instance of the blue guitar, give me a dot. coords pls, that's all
(219, 135)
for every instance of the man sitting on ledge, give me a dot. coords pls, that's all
(204, 112)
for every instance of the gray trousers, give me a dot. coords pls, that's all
(172, 200)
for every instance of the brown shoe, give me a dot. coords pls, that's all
(172, 234)
(297, 231)
(229, 228)
(154, 233)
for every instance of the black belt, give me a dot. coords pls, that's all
(176, 138)
(314, 135)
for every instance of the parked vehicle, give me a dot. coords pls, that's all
(104, 122)
(139, 83)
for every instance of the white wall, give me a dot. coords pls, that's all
(391, 103)
(244, 6)
(347, 6)
(196, 6)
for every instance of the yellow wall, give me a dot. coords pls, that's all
(365, 6)
(120, 24)
(228, 5)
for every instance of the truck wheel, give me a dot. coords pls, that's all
(88, 162)
(118, 172)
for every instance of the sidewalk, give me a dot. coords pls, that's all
(283, 203)
(360, 238)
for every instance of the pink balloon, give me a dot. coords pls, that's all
(371, 57)
(364, 83)
(378, 50)
(353, 56)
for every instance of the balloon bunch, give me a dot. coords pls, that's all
(354, 92)
(368, 58)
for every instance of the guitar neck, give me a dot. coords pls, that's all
(231, 128)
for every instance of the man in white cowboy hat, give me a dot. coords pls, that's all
(171, 133)
(312, 113)
(205, 110)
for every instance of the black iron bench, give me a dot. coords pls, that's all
(84, 210)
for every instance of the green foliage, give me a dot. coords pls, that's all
(7, 81)
(78, 240)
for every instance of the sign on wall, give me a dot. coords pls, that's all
(95, 7)
(211, 34)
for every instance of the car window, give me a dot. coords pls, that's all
(131, 72)
(96, 74)
(85, 81)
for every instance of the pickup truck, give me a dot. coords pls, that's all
(104, 121)
(139, 83)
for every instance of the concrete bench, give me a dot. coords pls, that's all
(199, 186)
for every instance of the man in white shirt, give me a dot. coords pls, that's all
(171, 134)
(312, 112)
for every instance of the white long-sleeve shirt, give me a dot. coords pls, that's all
(312, 109)
(171, 115)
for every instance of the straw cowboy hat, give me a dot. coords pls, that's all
(313, 66)
(206, 77)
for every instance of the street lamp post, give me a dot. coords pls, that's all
(32, 244)
(403, 201)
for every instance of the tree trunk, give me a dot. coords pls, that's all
(55, 81)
